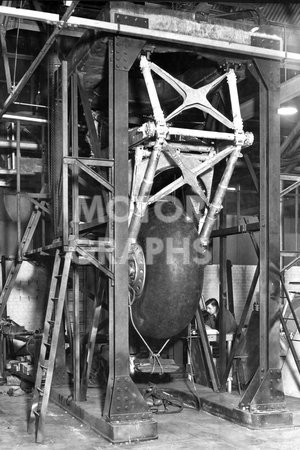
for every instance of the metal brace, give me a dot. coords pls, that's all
(188, 176)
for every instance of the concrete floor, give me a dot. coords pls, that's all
(189, 429)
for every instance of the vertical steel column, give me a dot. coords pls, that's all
(110, 225)
(43, 183)
(75, 231)
(265, 392)
(65, 152)
(123, 400)
(269, 216)
(75, 189)
(222, 295)
(18, 170)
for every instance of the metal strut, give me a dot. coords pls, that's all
(192, 98)
(15, 268)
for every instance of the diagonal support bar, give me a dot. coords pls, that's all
(21, 84)
(94, 261)
(94, 175)
(198, 170)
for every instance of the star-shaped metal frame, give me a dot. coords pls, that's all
(193, 98)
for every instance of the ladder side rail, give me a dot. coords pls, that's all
(41, 362)
(53, 348)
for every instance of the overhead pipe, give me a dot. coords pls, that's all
(12, 145)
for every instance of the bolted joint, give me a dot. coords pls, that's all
(148, 129)
(249, 139)
(239, 138)
(161, 131)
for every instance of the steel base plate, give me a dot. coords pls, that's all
(115, 432)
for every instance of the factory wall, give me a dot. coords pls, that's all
(26, 304)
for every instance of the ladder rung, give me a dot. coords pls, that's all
(36, 413)
(51, 322)
(47, 344)
(54, 299)
(43, 367)
(58, 276)
(40, 390)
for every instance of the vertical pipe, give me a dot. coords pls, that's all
(43, 184)
(238, 203)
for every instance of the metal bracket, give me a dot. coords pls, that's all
(127, 402)
(265, 42)
(134, 21)
(265, 392)
(126, 52)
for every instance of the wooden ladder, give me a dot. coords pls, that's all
(16, 265)
(49, 344)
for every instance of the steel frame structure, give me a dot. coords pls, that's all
(123, 401)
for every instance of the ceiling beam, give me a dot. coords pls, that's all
(153, 34)
(31, 14)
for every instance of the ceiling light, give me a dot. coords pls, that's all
(287, 110)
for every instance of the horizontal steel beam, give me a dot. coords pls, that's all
(152, 34)
(239, 229)
(14, 117)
